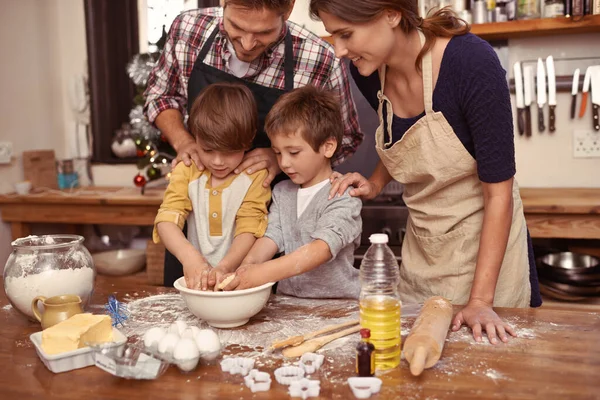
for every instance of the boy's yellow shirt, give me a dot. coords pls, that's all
(215, 215)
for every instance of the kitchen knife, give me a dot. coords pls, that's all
(584, 91)
(574, 91)
(595, 86)
(527, 95)
(518, 74)
(551, 93)
(541, 93)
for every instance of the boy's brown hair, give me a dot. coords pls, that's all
(224, 116)
(312, 112)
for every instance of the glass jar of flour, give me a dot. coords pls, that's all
(49, 265)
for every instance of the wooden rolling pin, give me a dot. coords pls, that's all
(423, 346)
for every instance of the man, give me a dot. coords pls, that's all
(250, 42)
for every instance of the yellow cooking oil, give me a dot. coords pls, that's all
(381, 314)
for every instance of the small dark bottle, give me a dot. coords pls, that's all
(365, 356)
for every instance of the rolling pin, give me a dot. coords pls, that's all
(423, 346)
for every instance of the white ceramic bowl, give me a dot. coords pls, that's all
(224, 309)
(119, 262)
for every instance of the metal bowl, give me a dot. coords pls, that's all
(569, 263)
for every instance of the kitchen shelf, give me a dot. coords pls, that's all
(531, 27)
(536, 27)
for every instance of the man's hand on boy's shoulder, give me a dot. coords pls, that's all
(187, 152)
(257, 159)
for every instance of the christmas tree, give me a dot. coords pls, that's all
(151, 147)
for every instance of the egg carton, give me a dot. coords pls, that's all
(129, 362)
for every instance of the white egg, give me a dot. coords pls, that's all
(208, 344)
(168, 343)
(186, 354)
(190, 332)
(153, 336)
(178, 327)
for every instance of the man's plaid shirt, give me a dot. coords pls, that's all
(315, 64)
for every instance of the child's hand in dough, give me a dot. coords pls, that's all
(196, 274)
(216, 277)
(247, 276)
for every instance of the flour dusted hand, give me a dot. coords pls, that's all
(247, 276)
(196, 275)
(480, 316)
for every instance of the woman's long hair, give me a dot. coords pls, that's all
(442, 23)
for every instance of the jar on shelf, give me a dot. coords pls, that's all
(528, 9)
(554, 8)
(48, 265)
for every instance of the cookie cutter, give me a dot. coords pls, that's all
(305, 388)
(258, 381)
(287, 375)
(237, 365)
(310, 362)
(364, 387)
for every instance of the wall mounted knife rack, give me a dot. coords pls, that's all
(563, 82)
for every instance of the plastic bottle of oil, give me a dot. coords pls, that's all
(380, 302)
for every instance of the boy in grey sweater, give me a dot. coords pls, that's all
(318, 236)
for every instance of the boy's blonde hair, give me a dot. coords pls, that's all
(312, 112)
(224, 116)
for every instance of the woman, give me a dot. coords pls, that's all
(466, 237)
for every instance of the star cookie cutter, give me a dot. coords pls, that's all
(305, 388)
(364, 387)
(287, 375)
(258, 381)
(311, 362)
(237, 365)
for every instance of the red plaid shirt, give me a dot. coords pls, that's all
(316, 64)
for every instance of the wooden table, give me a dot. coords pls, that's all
(556, 357)
(558, 213)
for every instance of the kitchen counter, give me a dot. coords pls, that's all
(556, 356)
(550, 212)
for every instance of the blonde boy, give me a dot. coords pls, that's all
(317, 236)
(225, 212)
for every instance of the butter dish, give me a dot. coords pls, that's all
(75, 359)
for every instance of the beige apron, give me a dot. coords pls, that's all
(445, 198)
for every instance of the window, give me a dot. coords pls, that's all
(113, 38)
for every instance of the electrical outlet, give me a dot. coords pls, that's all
(586, 144)
(5, 152)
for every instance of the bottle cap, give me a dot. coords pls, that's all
(378, 238)
(365, 333)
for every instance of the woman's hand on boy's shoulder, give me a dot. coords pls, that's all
(362, 187)
(257, 159)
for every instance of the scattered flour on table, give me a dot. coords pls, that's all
(254, 339)
(7, 307)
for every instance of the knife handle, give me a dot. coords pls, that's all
(528, 121)
(521, 120)
(584, 97)
(596, 116)
(573, 105)
(551, 119)
(541, 126)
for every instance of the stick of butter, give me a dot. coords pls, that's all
(75, 332)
